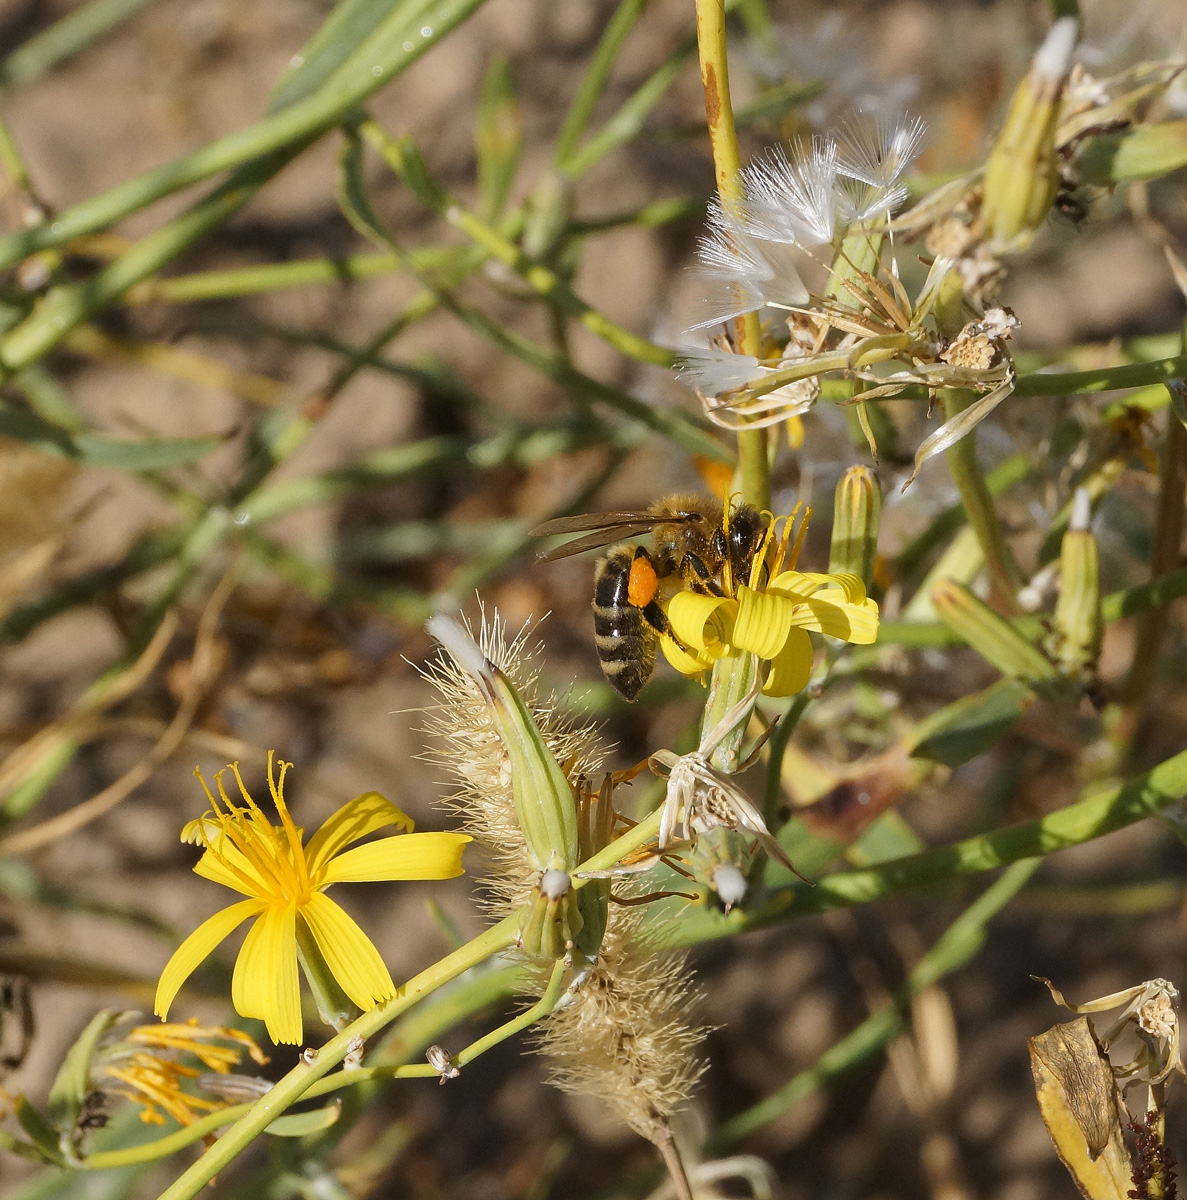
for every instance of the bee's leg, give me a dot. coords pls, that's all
(655, 616)
(698, 577)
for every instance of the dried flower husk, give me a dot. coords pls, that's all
(627, 1035)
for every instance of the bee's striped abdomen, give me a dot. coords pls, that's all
(625, 642)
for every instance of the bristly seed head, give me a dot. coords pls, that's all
(468, 747)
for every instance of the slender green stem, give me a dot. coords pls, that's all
(530, 1016)
(76, 31)
(1165, 556)
(404, 159)
(68, 306)
(1072, 383)
(593, 82)
(958, 945)
(753, 465)
(732, 681)
(304, 272)
(626, 124)
(1005, 577)
(678, 426)
(948, 522)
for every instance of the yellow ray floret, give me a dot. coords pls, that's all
(284, 882)
(771, 621)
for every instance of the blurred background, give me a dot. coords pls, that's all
(432, 452)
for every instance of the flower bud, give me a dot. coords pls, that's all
(721, 858)
(1076, 643)
(551, 920)
(857, 511)
(991, 635)
(544, 802)
(1022, 174)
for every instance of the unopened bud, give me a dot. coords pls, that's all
(991, 635)
(857, 512)
(551, 920)
(1076, 643)
(1022, 175)
(544, 801)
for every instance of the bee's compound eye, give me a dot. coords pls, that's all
(642, 585)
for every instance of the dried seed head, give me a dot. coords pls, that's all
(467, 744)
(627, 1036)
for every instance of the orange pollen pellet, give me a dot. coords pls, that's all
(642, 585)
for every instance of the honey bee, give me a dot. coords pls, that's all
(696, 545)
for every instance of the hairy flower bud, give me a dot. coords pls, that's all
(991, 635)
(1022, 175)
(857, 512)
(1077, 611)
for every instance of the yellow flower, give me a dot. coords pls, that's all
(285, 882)
(771, 620)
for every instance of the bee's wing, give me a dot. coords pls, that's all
(607, 527)
(595, 540)
(602, 520)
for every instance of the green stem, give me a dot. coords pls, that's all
(1168, 538)
(405, 160)
(397, 41)
(960, 943)
(530, 1016)
(947, 523)
(753, 464)
(74, 32)
(593, 82)
(1005, 577)
(68, 306)
(732, 680)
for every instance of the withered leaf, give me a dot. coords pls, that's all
(1077, 1099)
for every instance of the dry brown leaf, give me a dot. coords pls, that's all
(1077, 1099)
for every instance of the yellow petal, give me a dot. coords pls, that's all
(190, 954)
(791, 668)
(264, 984)
(764, 619)
(685, 663)
(406, 856)
(805, 583)
(703, 623)
(856, 623)
(230, 868)
(355, 819)
(353, 960)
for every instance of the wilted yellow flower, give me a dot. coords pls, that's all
(146, 1068)
(770, 618)
(285, 883)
